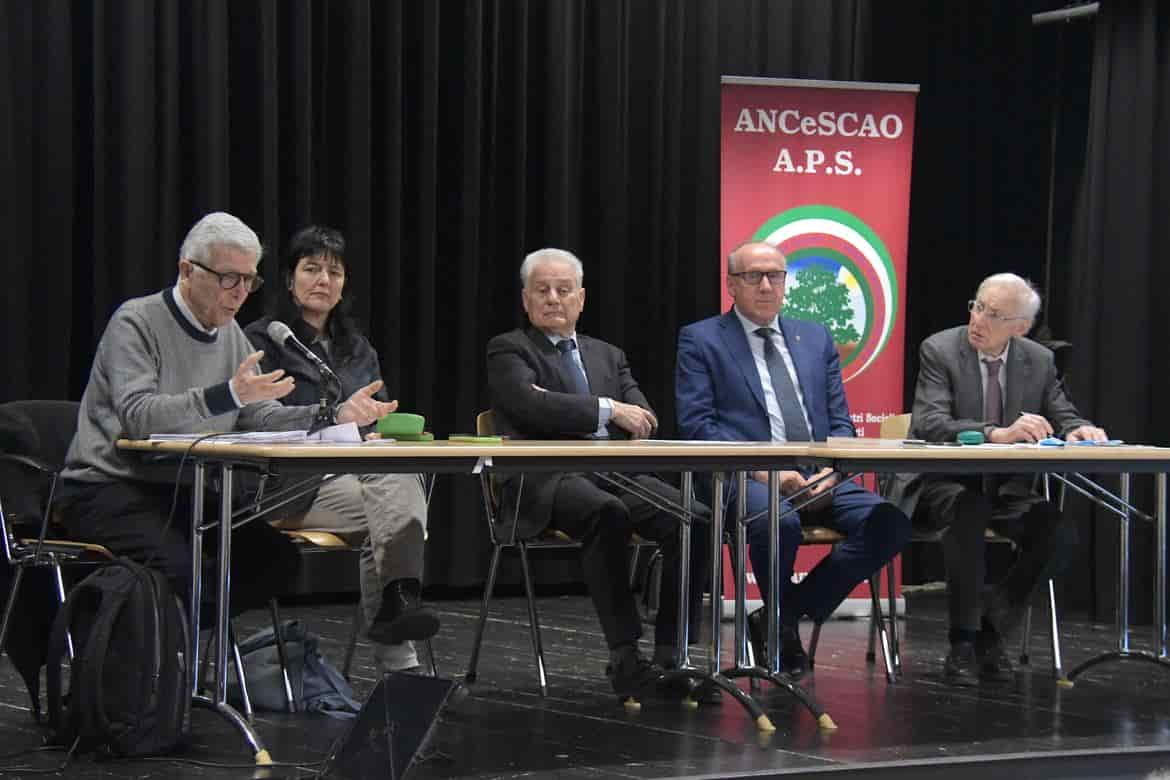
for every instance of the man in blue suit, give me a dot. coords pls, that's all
(751, 375)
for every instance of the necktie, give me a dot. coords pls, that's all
(795, 428)
(572, 367)
(993, 398)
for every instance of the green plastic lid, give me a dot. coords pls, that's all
(399, 424)
(971, 437)
(409, 437)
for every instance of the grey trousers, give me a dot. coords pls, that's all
(386, 514)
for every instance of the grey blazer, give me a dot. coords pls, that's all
(949, 398)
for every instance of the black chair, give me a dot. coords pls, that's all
(898, 427)
(550, 539)
(34, 438)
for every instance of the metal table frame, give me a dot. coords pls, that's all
(608, 456)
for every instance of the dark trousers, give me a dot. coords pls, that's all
(1045, 545)
(875, 531)
(604, 532)
(130, 518)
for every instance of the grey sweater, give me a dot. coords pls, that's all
(154, 372)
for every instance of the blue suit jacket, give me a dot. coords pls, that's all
(718, 392)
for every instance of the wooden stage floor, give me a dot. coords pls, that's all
(1114, 723)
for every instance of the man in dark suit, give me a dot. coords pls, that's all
(985, 376)
(751, 375)
(549, 382)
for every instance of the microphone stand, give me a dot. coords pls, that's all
(326, 409)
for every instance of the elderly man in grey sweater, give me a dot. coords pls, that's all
(177, 362)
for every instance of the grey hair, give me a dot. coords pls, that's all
(1025, 292)
(218, 229)
(548, 253)
(731, 255)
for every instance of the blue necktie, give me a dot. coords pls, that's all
(795, 428)
(572, 367)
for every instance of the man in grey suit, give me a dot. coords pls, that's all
(985, 376)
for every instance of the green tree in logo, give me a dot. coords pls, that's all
(819, 297)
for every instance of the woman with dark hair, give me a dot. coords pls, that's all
(386, 511)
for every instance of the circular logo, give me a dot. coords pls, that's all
(839, 275)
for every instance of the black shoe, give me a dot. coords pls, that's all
(757, 627)
(994, 663)
(402, 616)
(793, 659)
(701, 691)
(631, 673)
(961, 666)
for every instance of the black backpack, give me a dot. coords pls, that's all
(130, 680)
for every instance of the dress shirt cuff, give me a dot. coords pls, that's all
(604, 411)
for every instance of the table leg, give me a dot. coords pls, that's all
(1123, 651)
(684, 670)
(716, 569)
(218, 700)
(196, 570)
(741, 669)
(1160, 579)
(1123, 572)
(741, 639)
(682, 653)
(773, 595)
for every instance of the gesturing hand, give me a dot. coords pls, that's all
(634, 420)
(362, 408)
(250, 386)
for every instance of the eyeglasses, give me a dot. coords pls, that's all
(753, 278)
(980, 308)
(229, 280)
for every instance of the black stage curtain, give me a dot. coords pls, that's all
(445, 139)
(977, 196)
(1119, 270)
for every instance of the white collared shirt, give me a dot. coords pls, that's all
(775, 418)
(604, 405)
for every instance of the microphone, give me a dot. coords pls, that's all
(282, 334)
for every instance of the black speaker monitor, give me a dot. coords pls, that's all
(393, 725)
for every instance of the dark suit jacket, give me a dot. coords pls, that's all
(718, 390)
(522, 358)
(949, 399)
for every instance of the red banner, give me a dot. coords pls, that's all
(821, 169)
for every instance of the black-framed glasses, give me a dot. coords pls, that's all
(755, 277)
(976, 306)
(228, 280)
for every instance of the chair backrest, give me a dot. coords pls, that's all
(485, 426)
(36, 429)
(41, 429)
(485, 423)
(895, 426)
